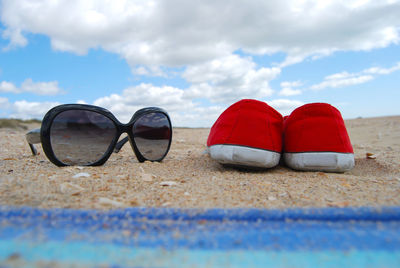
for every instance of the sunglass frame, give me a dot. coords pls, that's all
(120, 128)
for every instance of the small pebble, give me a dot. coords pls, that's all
(371, 156)
(52, 178)
(147, 177)
(82, 174)
(168, 183)
(134, 202)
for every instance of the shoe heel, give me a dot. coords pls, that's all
(320, 161)
(244, 156)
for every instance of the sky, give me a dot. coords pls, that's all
(196, 58)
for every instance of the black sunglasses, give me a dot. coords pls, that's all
(86, 135)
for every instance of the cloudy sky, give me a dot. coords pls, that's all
(195, 58)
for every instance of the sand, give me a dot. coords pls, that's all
(189, 178)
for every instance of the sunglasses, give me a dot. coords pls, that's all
(86, 135)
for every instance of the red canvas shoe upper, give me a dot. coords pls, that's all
(249, 123)
(316, 127)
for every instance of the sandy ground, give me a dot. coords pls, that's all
(189, 178)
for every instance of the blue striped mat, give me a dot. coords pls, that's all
(163, 237)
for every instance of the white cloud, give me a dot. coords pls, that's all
(28, 110)
(229, 79)
(151, 33)
(289, 92)
(291, 84)
(348, 79)
(288, 88)
(341, 80)
(197, 117)
(4, 104)
(25, 109)
(7, 87)
(16, 39)
(39, 88)
(146, 95)
(378, 70)
(285, 106)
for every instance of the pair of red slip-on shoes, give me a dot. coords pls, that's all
(313, 137)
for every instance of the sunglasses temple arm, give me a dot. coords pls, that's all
(33, 149)
(119, 145)
(33, 137)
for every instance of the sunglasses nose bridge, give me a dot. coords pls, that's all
(125, 128)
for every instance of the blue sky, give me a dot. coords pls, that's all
(197, 58)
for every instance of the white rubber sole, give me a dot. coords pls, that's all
(244, 156)
(320, 161)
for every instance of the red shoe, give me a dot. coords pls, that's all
(315, 138)
(248, 133)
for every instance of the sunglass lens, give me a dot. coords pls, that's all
(152, 134)
(80, 137)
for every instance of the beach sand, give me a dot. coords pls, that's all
(189, 178)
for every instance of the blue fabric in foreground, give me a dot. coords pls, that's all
(257, 235)
(292, 229)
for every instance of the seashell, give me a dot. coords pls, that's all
(107, 201)
(70, 188)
